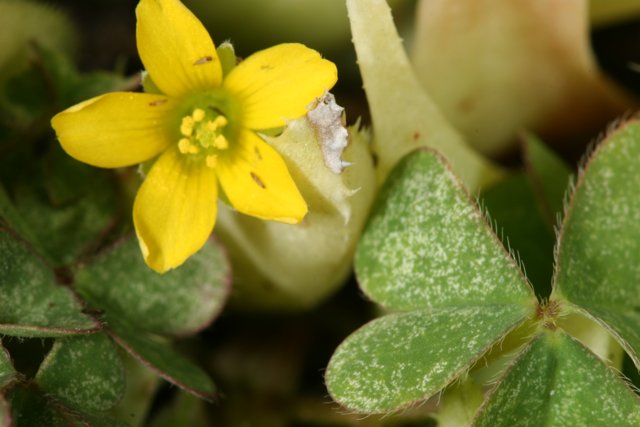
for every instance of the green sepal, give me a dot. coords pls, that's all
(227, 57)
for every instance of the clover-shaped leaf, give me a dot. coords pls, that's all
(33, 304)
(598, 255)
(157, 355)
(428, 254)
(32, 408)
(556, 381)
(178, 302)
(85, 372)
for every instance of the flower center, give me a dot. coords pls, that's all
(203, 135)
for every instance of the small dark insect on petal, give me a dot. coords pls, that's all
(258, 181)
(203, 60)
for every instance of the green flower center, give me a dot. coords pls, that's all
(202, 134)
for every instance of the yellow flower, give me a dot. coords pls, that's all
(203, 127)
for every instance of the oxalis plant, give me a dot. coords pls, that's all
(177, 245)
(459, 302)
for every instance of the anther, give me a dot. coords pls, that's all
(220, 121)
(221, 142)
(198, 114)
(186, 128)
(184, 145)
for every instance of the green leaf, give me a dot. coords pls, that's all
(428, 245)
(141, 387)
(391, 86)
(179, 302)
(68, 206)
(598, 261)
(524, 228)
(393, 361)
(558, 382)
(33, 410)
(426, 250)
(159, 357)
(29, 408)
(83, 372)
(33, 305)
(7, 371)
(548, 174)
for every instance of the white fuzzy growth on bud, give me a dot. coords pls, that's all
(326, 117)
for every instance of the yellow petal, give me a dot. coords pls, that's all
(256, 181)
(175, 210)
(277, 84)
(114, 130)
(175, 48)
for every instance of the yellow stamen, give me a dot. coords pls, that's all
(221, 142)
(220, 121)
(212, 160)
(186, 128)
(184, 145)
(198, 114)
(194, 149)
(211, 126)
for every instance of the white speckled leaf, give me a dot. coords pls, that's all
(7, 371)
(428, 245)
(179, 302)
(33, 305)
(84, 372)
(403, 358)
(158, 356)
(31, 408)
(557, 382)
(598, 261)
(67, 206)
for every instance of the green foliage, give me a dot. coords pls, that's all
(455, 285)
(84, 372)
(457, 262)
(428, 256)
(179, 302)
(598, 262)
(7, 371)
(556, 381)
(33, 304)
(62, 277)
(393, 362)
(157, 355)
